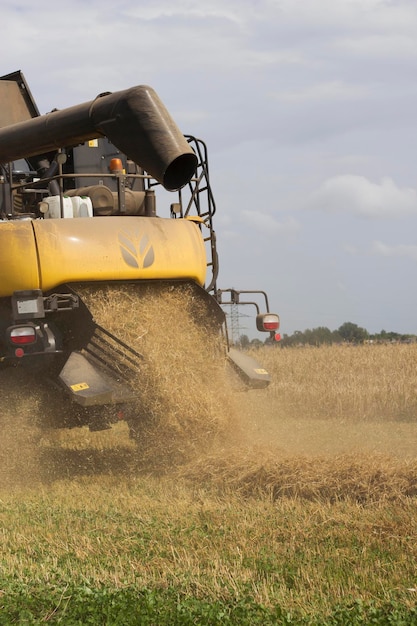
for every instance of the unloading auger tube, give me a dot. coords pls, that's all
(135, 120)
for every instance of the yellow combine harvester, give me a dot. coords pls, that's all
(78, 212)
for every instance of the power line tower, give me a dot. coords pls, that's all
(234, 322)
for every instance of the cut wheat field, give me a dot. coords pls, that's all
(297, 505)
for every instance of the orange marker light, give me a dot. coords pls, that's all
(116, 166)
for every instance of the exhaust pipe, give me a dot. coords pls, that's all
(134, 120)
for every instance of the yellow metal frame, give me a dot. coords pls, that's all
(42, 254)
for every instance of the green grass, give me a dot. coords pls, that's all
(304, 513)
(117, 550)
(82, 606)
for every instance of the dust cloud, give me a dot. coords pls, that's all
(191, 423)
(186, 406)
(20, 434)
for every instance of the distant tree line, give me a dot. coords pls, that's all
(346, 333)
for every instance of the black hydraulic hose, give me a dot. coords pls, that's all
(48, 170)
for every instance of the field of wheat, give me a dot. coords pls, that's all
(294, 504)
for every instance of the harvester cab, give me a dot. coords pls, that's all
(79, 218)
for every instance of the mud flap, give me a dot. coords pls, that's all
(248, 369)
(88, 386)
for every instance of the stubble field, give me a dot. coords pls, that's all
(292, 505)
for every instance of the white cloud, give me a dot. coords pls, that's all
(285, 93)
(187, 8)
(334, 90)
(358, 15)
(357, 195)
(229, 235)
(350, 249)
(381, 46)
(401, 251)
(265, 223)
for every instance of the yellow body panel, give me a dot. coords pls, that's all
(42, 254)
(18, 258)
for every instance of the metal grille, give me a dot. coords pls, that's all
(115, 355)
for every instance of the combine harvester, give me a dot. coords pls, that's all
(78, 215)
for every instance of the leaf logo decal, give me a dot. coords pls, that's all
(136, 251)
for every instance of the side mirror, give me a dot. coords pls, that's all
(267, 322)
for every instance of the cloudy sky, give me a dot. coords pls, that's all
(309, 111)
